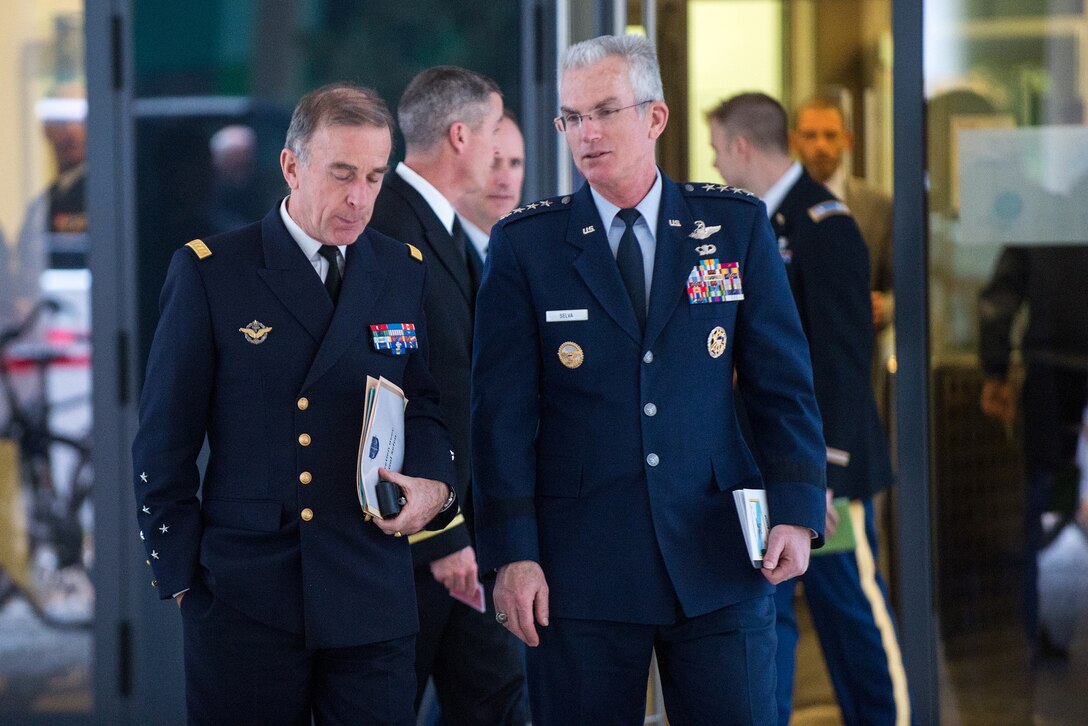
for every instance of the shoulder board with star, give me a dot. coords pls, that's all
(414, 252)
(544, 205)
(199, 249)
(823, 210)
(693, 189)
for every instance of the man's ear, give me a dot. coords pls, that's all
(289, 164)
(659, 118)
(457, 135)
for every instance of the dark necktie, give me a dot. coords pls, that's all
(629, 260)
(333, 278)
(468, 253)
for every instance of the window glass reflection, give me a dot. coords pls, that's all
(1008, 173)
(47, 600)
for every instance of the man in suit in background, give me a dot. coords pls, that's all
(295, 608)
(480, 210)
(820, 139)
(449, 117)
(606, 444)
(828, 269)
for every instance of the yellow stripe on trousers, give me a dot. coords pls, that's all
(879, 606)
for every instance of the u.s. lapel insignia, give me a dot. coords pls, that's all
(715, 342)
(674, 222)
(256, 332)
(705, 250)
(571, 355)
(702, 231)
(589, 230)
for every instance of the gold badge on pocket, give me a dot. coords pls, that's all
(715, 342)
(570, 354)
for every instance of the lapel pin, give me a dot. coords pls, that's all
(589, 230)
(674, 222)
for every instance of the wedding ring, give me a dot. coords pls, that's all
(501, 618)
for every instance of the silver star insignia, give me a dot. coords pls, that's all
(723, 187)
(143, 477)
(545, 203)
(146, 509)
(709, 187)
(154, 555)
(164, 529)
(141, 535)
(534, 205)
(519, 210)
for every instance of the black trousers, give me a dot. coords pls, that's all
(476, 664)
(240, 671)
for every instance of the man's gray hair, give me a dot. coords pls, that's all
(337, 104)
(636, 51)
(440, 96)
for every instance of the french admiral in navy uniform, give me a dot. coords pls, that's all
(295, 606)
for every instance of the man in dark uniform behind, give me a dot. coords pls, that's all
(606, 448)
(449, 117)
(827, 263)
(294, 606)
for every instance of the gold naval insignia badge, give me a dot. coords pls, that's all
(715, 342)
(570, 354)
(256, 332)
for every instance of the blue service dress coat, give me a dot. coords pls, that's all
(827, 263)
(250, 352)
(609, 456)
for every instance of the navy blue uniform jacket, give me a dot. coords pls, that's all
(828, 267)
(336, 578)
(628, 506)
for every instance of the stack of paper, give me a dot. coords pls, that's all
(382, 442)
(755, 522)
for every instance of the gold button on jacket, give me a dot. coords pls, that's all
(305, 477)
(303, 403)
(304, 439)
(307, 514)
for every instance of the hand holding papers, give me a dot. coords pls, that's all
(755, 522)
(382, 440)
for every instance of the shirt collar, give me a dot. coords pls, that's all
(837, 182)
(774, 196)
(434, 198)
(309, 246)
(648, 207)
(477, 236)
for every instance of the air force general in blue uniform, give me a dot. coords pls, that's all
(606, 454)
(295, 606)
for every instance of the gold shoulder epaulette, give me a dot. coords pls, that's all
(415, 253)
(201, 249)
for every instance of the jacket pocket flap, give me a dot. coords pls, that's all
(735, 471)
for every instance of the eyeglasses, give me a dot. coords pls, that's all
(572, 121)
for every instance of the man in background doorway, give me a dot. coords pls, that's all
(479, 210)
(820, 139)
(828, 269)
(54, 232)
